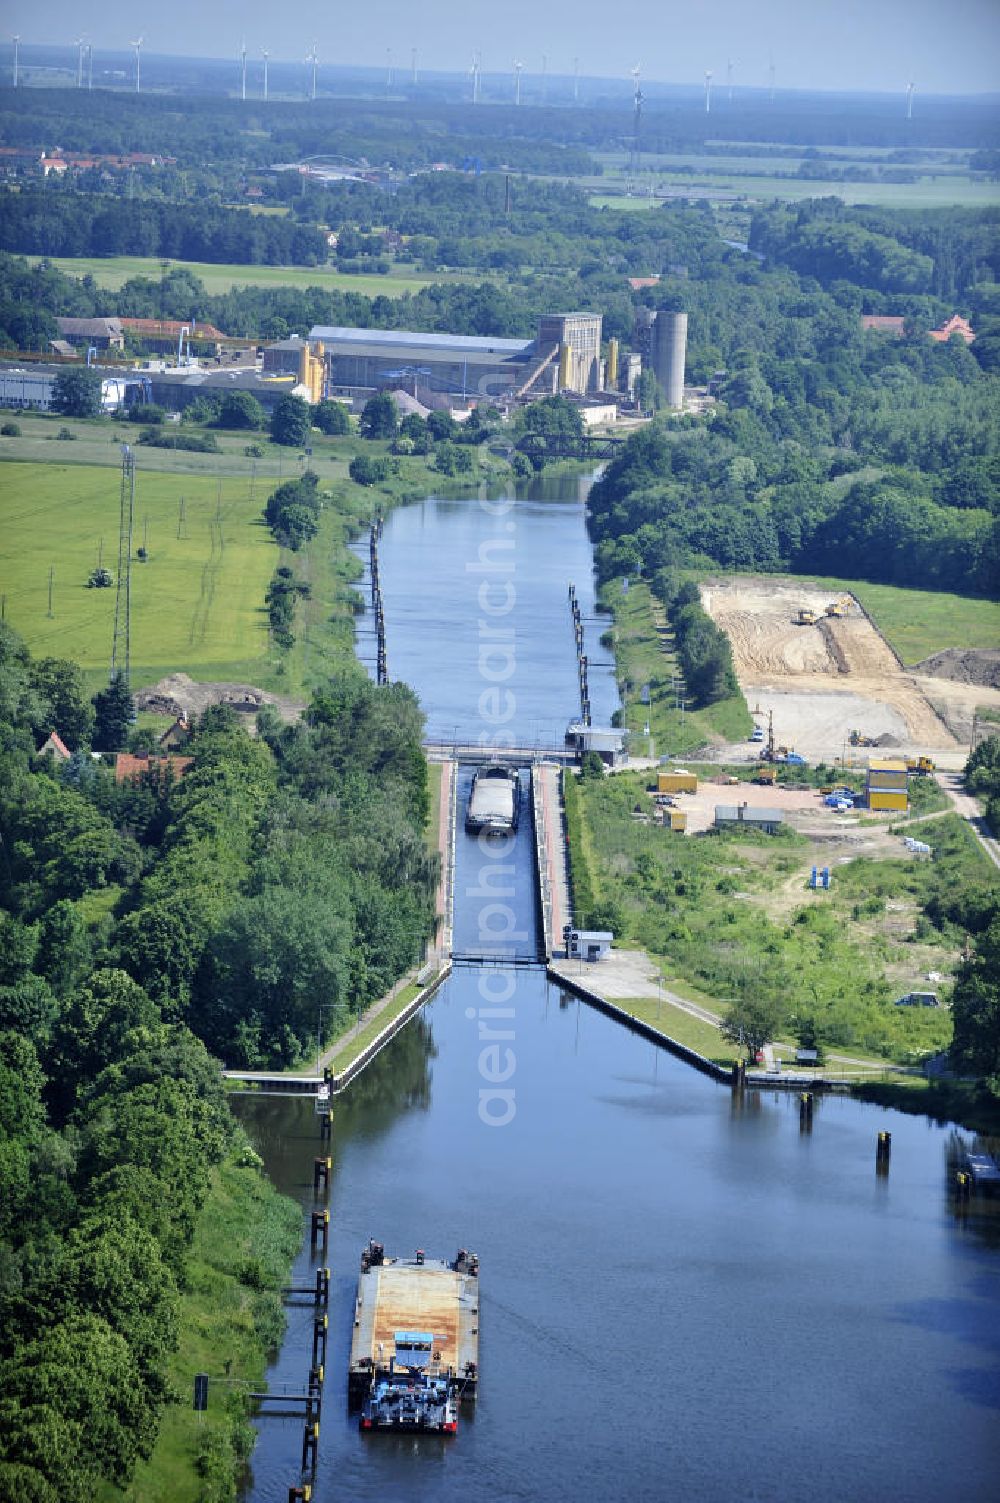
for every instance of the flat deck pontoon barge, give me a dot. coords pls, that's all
(415, 1347)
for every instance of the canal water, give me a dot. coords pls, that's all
(682, 1296)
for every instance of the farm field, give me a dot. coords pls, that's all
(112, 272)
(929, 193)
(197, 605)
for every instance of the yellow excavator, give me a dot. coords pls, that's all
(839, 607)
(805, 617)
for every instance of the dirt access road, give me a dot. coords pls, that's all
(824, 680)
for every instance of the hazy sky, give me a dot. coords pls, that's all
(945, 46)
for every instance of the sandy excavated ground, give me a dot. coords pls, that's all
(826, 680)
(178, 694)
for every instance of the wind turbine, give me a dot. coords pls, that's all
(313, 58)
(137, 46)
(576, 80)
(17, 44)
(729, 79)
(708, 91)
(79, 45)
(518, 70)
(909, 101)
(90, 65)
(545, 77)
(413, 66)
(770, 78)
(265, 55)
(476, 77)
(243, 69)
(388, 67)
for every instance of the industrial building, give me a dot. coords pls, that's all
(748, 816)
(30, 387)
(887, 784)
(176, 389)
(577, 338)
(99, 333)
(564, 357)
(362, 361)
(303, 359)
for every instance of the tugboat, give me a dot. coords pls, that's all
(494, 803)
(410, 1397)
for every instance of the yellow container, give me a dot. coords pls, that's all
(676, 782)
(678, 819)
(893, 799)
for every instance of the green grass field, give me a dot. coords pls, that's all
(98, 442)
(112, 271)
(197, 604)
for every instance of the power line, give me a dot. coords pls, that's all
(121, 647)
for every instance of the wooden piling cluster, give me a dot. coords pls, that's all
(319, 1235)
(381, 661)
(581, 656)
(806, 1104)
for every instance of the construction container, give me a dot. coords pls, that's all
(676, 780)
(886, 784)
(676, 819)
(888, 800)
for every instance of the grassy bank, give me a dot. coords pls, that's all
(644, 654)
(231, 1319)
(704, 1038)
(734, 914)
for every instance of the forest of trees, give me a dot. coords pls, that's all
(61, 223)
(416, 131)
(266, 896)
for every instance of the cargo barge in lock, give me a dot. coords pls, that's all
(494, 803)
(415, 1346)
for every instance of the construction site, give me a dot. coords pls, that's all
(813, 659)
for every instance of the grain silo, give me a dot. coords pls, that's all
(669, 350)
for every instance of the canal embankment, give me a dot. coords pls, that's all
(592, 983)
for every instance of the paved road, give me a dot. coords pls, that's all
(965, 805)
